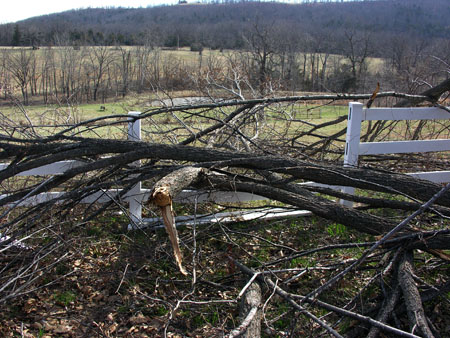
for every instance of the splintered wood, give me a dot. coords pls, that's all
(164, 192)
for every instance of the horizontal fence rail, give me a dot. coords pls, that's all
(54, 168)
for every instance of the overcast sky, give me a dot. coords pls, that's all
(14, 10)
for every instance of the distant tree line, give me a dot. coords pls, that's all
(87, 74)
(266, 66)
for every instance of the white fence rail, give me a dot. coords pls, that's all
(354, 148)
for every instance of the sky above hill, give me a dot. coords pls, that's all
(15, 10)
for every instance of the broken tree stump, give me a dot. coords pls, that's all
(164, 191)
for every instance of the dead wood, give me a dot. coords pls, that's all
(386, 310)
(250, 314)
(364, 178)
(365, 203)
(287, 193)
(164, 191)
(411, 295)
(432, 94)
(374, 95)
(218, 125)
(290, 298)
(302, 198)
(269, 168)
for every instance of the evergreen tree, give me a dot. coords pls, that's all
(17, 36)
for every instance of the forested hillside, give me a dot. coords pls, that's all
(223, 25)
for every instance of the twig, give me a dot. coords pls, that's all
(123, 277)
(247, 285)
(194, 237)
(447, 109)
(298, 307)
(207, 302)
(283, 294)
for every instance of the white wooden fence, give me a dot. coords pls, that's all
(354, 148)
(137, 196)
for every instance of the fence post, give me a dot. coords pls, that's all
(355, 115)
(134, 134)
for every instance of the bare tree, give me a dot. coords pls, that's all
(125, 67)
(5, 76)
(70, 64)
(357, 48)
(263, 44)
(100, 59)
(20, 64)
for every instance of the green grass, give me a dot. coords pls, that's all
(315, 111)
(337, 230)
(64, 298)
(51, 119)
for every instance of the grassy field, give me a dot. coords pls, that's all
(184, 54)
(48, 70)
(53, 118)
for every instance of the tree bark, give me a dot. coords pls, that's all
(416, 313)
(386, 310)
(302, 198)
(250, 314)
(363, 178)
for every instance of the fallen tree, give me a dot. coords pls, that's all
(236, 151)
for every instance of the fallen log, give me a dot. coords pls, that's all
(386, 311)
(250, 313)
(304, 199)
(127, 151)
(291, 299)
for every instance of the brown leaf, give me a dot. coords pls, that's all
(63, 328)
(113, 327)
(30, 305)
(139, 319)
